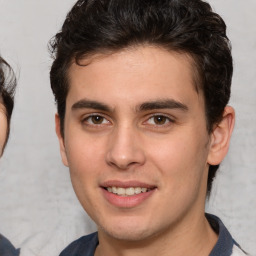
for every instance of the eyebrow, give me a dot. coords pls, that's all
(84, 103)
(163, 104)
(151, 105)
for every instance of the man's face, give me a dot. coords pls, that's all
(136, 142)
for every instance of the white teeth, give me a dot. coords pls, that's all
(137, 190)
(127, 191)
(121, 191)
(114, 190)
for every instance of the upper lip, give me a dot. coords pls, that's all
(126, 184)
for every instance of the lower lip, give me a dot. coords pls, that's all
(127, 201)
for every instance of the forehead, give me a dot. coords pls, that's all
(141, 73)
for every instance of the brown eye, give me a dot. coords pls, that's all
(97, 119)
(160, 120)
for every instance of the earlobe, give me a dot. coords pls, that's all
(61, 140)
(220, 137)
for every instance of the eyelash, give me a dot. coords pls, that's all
(167, 120)
(85, 119)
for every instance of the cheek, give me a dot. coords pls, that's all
(3, 130)
(85, 165)
(182, 167)
(85, 157)
(180, 159)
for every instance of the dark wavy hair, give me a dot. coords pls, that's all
(7, 90)
(186, 26)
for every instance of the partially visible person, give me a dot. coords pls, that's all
(7, 89)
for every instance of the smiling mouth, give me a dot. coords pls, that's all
(131, 191)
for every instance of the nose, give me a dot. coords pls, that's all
(125, 149)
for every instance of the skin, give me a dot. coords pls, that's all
(3, 124)
(137, 136)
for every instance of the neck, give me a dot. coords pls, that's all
(194, 238)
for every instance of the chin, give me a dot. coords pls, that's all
(128, 235)
(128, 232)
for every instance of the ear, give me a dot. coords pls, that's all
(61, 140)
(220, 137)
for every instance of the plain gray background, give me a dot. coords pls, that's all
(38, 209)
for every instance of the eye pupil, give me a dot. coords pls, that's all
(160, 119)
(97, 119)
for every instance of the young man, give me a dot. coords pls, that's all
(7, 88)
(142, 89)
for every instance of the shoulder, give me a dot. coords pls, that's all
(84, 246)
(226, 245)
(6, 248)
(237, 251)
